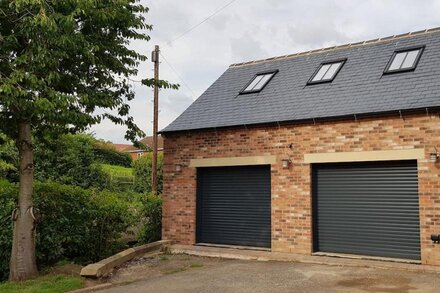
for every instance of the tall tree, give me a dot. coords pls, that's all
(64, 65)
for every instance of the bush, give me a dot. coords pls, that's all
(69, 160)
(152, 211)
(142, 173)
(7, 204)
(6, 168)
(8, 158)
(107, 154)
(121, 178)
(75, 224)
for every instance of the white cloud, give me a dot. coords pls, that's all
(247, 48)
(253, 29)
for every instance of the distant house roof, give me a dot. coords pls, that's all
(148, 142)
(121, 147)
(358, 87)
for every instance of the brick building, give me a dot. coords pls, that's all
(332, 151)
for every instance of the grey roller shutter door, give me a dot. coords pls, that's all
(234, 206)
(367, 209)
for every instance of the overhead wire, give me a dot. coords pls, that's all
(201, 22)
(177, 73)
(169, 43)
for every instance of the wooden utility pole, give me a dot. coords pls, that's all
(155, 59)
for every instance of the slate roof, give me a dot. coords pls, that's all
(359, 88)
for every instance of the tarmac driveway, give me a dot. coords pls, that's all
(181, 273)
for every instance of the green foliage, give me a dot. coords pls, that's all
(5, 168)
(46, 284)
(141, 146)
(61, 61)
(7, 204)
(77, 224)
(142, 173)
(151, 82)
(8, 158)
(64, 66)
(117, 170)
(121, 178)
(152, 211)
(107, 154)
(69, 159)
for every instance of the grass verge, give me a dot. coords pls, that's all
(117, 170)
(44, 284)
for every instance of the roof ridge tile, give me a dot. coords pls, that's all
(337, 47)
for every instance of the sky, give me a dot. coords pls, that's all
(245, 30)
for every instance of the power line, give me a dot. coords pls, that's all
(182, 35)
(200, 23)
(187, 32)
(177, 73)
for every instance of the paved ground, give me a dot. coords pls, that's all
(182, 273)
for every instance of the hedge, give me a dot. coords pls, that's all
(69, 159)
(142, 173)
(77, 224)
(107, 154)
(152, 213)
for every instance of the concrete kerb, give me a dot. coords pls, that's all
(290, 257)
(106, 266)
(94, 288)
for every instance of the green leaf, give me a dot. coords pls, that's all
(61, 61)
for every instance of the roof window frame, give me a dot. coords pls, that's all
(387, 70)
(340, 60)
(243, 90)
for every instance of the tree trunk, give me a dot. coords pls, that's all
(23, 264)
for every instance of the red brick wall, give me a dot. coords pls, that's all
(291, 188)
(134, 156)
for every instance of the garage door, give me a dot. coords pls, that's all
(233, 206)
(367, 209)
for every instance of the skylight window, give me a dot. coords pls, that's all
(259, 81)
(327, 71)
(404, 60)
